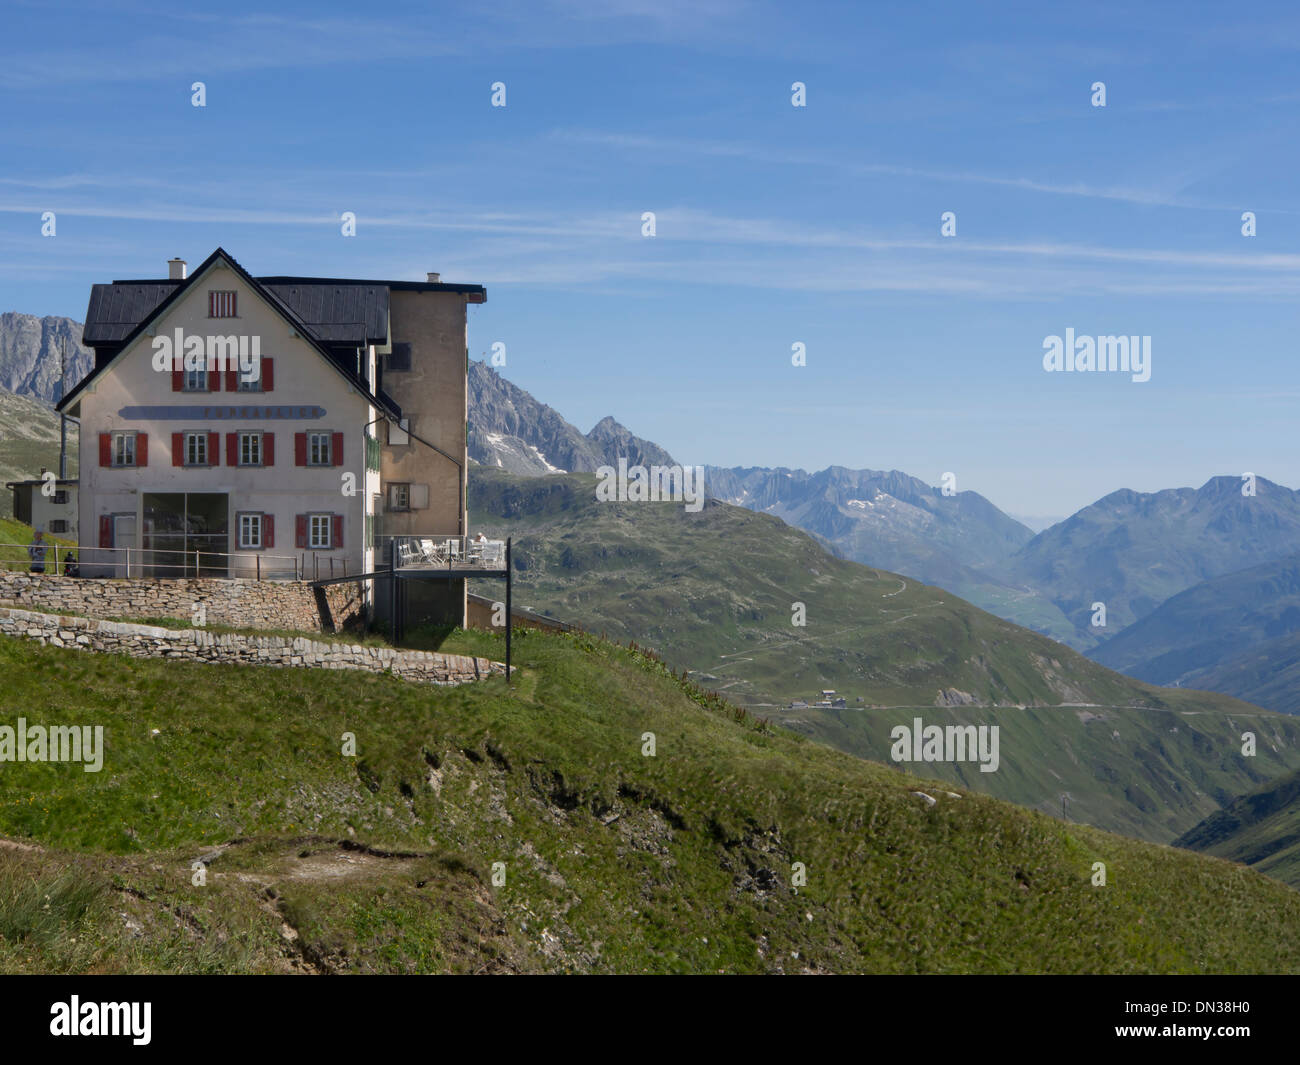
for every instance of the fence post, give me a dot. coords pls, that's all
(259, 566)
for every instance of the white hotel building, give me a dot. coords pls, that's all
(354, 426)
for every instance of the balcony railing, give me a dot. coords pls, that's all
(442, 552)
(148, 562)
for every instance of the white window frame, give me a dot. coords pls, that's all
(249, 521)
(325, 440)
(317, 542)
(196, 381)
(255, 385)
(254, 442)
(200, 439)
(124, 449)
(399, 496)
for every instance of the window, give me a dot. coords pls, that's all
(255, 385)
(319, 531)
(250, 449)
(221, 305)
(250, 531)
(196, 449)
(58, 525)
(196, 380)
(318, 449)
(59, 498)
(124, 449)
(399, 497)
(399, 359)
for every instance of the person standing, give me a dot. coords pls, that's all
(36, 552)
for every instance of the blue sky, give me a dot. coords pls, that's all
(775, 224)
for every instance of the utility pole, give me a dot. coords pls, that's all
(63, 418)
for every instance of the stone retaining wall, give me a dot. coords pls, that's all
(238, 603)
(148, 641)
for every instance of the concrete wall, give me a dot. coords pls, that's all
(147, 641)
(303, 378)
(291, 605)
(434, 396)
(481, 608)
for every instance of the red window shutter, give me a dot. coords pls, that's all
(300, 530)
(232, 449)
(178, 449)
(268, 449)
(106, 449)
(105, 530)
(268, 530)
(336, 448)
(142, 449)
(214, 449)
(300, 449)
(336, 540)
(268, 374)
(178, 380)
(212, 304)
(214, 380)
(232, 380)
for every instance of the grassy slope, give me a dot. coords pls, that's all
(713, 591)
(614, 861)
(14, 538)
(1261, 829)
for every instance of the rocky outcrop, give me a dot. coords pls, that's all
(29, 354)
(511, 430)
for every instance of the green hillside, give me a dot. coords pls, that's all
(29, 439)
(1261, 829)
(1145, 773)
(613, 861)
(713, 590)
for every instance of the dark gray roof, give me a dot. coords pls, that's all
(347, 313)
(118, 308)
(337, 314)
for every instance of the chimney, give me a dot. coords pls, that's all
(434, 278)
(175, 269)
